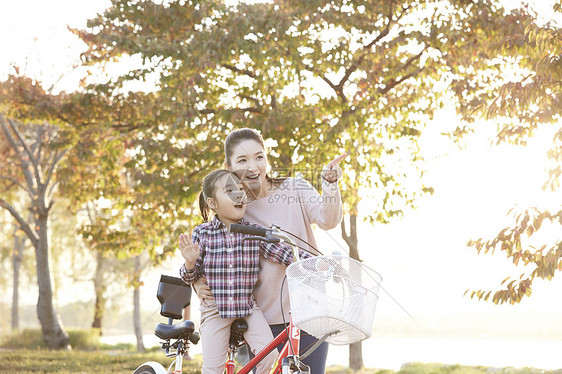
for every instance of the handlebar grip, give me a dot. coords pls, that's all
(194, 338)
(245, 229)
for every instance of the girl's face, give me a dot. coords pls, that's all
(230, 200)
(249, 162)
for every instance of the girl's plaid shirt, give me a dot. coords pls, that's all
(231, 265)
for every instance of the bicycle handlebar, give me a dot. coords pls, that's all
(252, 230)
(272, 235)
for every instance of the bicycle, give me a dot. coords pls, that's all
(332, 297)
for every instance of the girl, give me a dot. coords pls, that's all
(231, 267)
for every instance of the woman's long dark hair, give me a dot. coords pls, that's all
(238, 136)
(209, 189)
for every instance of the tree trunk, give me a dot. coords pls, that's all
(355, 349)
(356, 356)
(17, 256)
(137, 308)
(53, 334)
(100, 287)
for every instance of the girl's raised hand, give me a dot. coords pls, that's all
(189, 250)
(332, 172)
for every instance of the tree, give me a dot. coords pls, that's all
(110, 233)
(13, 250)
(136, 301)
(15, 253)
(101, 276)
(93, 144)
(17, 257)
(100, 287)
(528, 101)
(317, 77)
(37, 161)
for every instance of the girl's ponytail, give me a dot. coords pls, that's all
(203, 207)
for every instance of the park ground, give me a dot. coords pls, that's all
(25, 353)
(125, 362)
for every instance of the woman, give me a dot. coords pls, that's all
(294, 205)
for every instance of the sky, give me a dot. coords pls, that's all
(423, 258)
(34, 36)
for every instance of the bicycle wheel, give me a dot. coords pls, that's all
(150, 368)
(145, 370)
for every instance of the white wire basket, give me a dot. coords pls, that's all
(334, 295)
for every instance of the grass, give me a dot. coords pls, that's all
(419, 368)
(42, 361)
(125, 362)
(89, 357)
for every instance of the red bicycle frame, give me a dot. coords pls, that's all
(291, 335)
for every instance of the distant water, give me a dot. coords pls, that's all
(391, 353)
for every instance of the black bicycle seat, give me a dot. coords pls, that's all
(181, 330)
(237, 330)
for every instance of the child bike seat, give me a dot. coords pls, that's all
(174, 295)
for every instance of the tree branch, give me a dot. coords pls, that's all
(214, 111)
(92, 216)
(387, 27)
(338, 88)
(413, 58)
(393, 84)
(54, 164)
(378, 37)
(324, 78)
(51, 190)
(252, 99)
(16, 148)
(32, 235)
(27, 150)
(242, 71)
(404, 66)
(46, 133)
(16, 182)
(127, 127)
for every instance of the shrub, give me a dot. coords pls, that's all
(84, 339)
(80, 339)
(25, 339)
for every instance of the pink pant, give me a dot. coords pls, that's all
(215, 332)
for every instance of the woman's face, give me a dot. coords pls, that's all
(249, 162)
